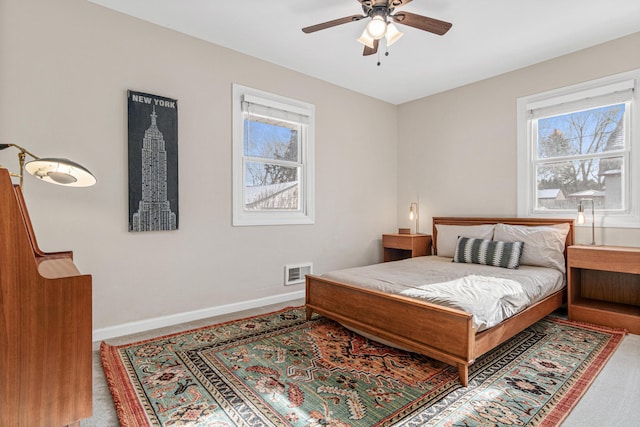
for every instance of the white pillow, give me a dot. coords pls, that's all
(448, 236)
(543, 245)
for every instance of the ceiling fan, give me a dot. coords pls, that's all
(381, 13)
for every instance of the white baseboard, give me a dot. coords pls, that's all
(176, 319)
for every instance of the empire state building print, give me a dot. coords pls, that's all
(153, 162)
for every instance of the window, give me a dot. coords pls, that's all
(273, 153)
(580, 143)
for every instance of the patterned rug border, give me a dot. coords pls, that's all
(127, 402)
(579, 388)
(109, 356)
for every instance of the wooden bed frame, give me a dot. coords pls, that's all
(438, 332)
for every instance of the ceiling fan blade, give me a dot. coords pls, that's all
(422, 22)
(333, 23)
(368, 51)
(398, 3)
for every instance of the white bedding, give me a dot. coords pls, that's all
(491, 294)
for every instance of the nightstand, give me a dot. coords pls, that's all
(604, 286)
(401, 246)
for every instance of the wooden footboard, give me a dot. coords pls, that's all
(438, 332)
(441, 333)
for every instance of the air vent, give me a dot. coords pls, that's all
(294, 274)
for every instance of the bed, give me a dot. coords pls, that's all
(451, 334)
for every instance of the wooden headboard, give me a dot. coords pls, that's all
(511, 221)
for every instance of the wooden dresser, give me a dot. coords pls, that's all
(45, 325)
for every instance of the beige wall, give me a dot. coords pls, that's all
(65, 70)
(457, 149)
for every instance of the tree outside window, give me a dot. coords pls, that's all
(273, 167)
(581, 155)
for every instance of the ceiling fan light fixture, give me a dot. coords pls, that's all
(381, 24)
(377, 27)
(366, 40)
(393, 34)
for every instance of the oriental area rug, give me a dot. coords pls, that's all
(282, 370)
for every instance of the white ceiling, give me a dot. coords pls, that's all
(488, 37)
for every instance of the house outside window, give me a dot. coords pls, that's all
(580, 143)
(273, 159)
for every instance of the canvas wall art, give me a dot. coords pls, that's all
(153, 162)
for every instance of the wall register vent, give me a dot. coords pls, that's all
(294, 274)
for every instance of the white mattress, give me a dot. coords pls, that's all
(490, 294)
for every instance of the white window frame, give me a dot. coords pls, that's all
(306, 214)
(526, 139)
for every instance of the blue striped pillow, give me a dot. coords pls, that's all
(488, 252)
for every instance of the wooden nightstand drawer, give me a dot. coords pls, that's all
(401, 246)
(606, 258)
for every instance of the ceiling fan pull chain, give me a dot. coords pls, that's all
(386, 53)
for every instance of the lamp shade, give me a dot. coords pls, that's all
(60, 171)
(413, 214)
(393, 34)
(366, 40)
(580, 220)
